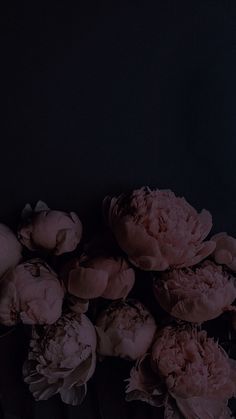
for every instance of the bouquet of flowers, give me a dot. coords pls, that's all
(81, 302)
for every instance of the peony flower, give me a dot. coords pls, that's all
(62, 360)
(188, 367)
(125, 329)
(158, 230)
(196, 294)
(32, 293)
(50, 230)
(99, 276)
(10, 249)
(225, 251)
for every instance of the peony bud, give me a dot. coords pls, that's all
(125, 329)
(106, 277)
(50, 230)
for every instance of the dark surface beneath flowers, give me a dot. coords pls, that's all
(102, 98)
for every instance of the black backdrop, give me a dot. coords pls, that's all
(107, 96)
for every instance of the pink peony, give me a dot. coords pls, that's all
(101, 276)
(125, 329)
(190, 368)
(158, 230)
(196, 294)
(32, 293)
(225, 251)
(11, 249)
(62, 359)
(50, 230)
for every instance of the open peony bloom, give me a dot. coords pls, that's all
(189, 368)
(125, 329)
(62, 360)
(196, 294)
(100, 276)
(45, 229)
(31, 293)
(225, 251)
(11, 248)
(158, 230)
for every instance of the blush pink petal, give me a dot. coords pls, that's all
(134, 241)
(119, 285)
(206, 249)
(87, 283)
(205, 219)
(199, 407)
(144, 384)
(225, 251)
(224, 257)
(66, 241)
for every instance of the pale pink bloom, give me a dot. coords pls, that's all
(50, 230)
(192, 368)
(31, 293)
(225, 251)
(196, 294)
(125, 329)
(11, 248)
(158, 230)
(100, 276)
(62, 359)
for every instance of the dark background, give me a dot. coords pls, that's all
(106, 96)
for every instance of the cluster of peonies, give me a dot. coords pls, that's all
(177, 366)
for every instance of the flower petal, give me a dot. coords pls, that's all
(87, 283)
(120, 285)
(142, 249)
(199, 407)
(73, 396)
